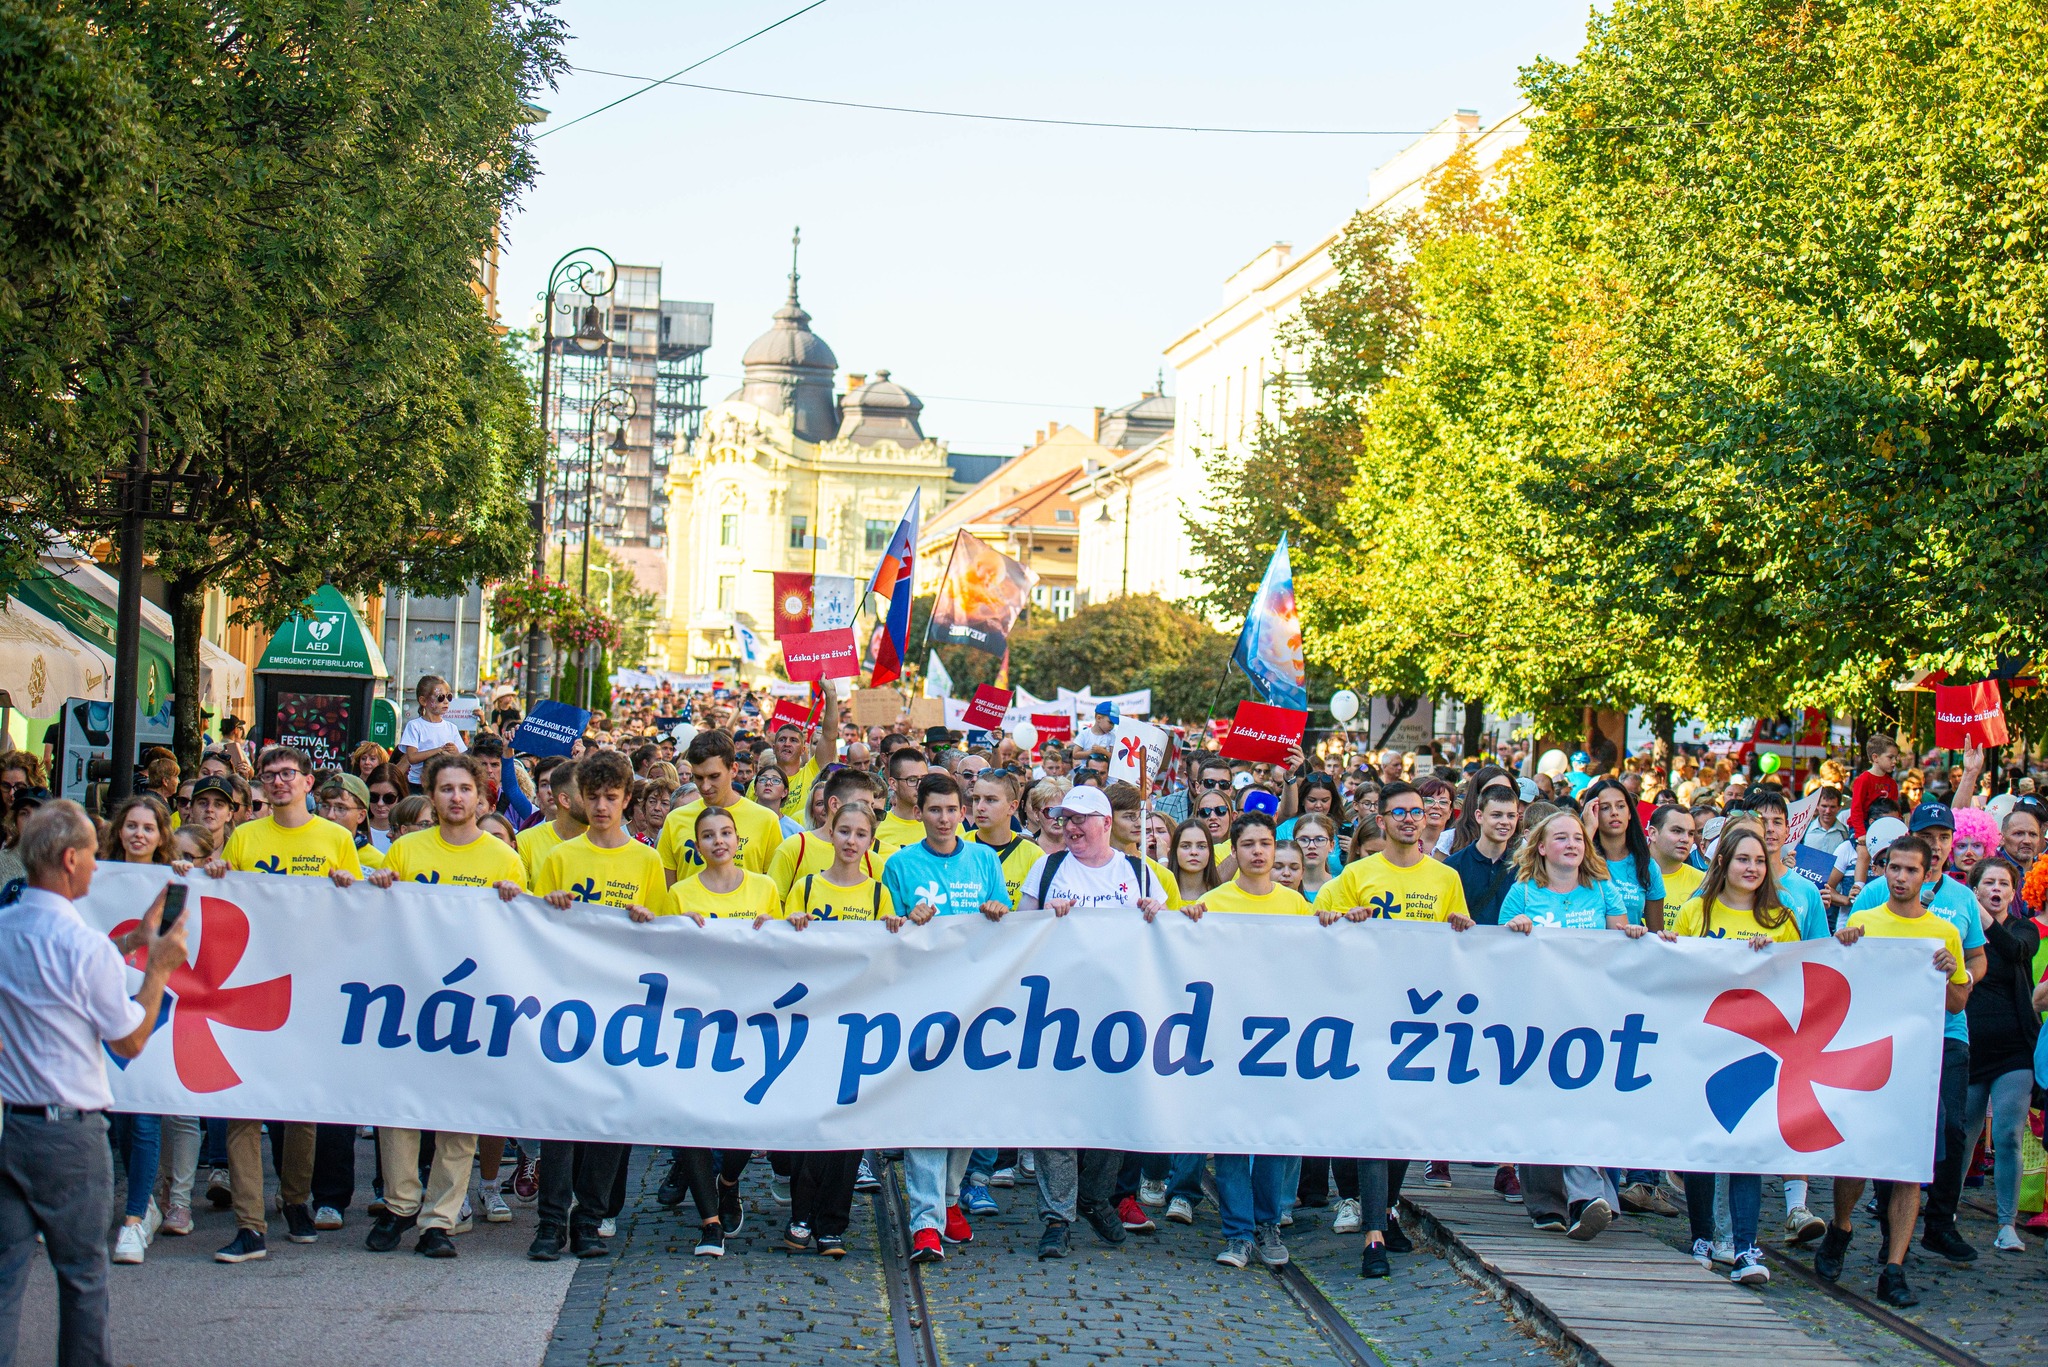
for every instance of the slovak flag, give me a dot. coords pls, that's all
(894, 580)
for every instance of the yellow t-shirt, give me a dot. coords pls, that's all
(1679, 886)
(424, 857)
(811, 852)
(1882, 921)
(534, 844)
(1729, 923)
(1430, 891)
(1167, 884)
(1281, 900)
(800, 789)
(894, 833)
(817, 895)
(310, 850)
(755, 896)
(1024, 852)
(630, 875)
(760, 831)
(369, 857)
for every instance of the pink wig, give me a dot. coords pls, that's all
(1974, 823)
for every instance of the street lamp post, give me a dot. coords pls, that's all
(616, 402)
(591, 273)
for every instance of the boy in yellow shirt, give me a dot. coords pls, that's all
(1401, 883)
(711, 758)
(556, 789)
(1253, 839)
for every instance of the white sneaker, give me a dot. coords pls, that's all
(607, 1229)
(1028, 1161)
(1724, 1253)
(1151, 1193)
(1285, 1220)
(778, 1187)
(495, 1210)
(130, 1245)
(1349, 1217)
(1750, 1269)
(327, 1217)
(1003, 1177)
(2009, 1241)
(1179, 1211)
(1703, 1254)
(152, 1221)
(465, 1219)
(1802, 1226)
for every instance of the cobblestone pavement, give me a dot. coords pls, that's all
(1996, 1308)
(1156, 1299)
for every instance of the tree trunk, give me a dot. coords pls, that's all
(1475, 728)
(186, 602)
(1664, 725)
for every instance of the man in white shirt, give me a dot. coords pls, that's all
(64, 991)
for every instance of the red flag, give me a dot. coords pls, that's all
(813, 655)
(988, 708)
(1263, 733)
(1968, 714)
(794, 602)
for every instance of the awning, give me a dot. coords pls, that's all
(324, 637)
(58, 598)
(222, 677)
(42, 663)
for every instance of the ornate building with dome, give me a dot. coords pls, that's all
(789, 473)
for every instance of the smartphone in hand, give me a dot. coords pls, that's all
(174, 906)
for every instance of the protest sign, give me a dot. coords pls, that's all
(1053, 725)
(1968, 714)
(789, 712)
(1263, 733)
(810, 656)
(550, 729)
(988, 707)
(927, 712)
(1137, 751)
(443, 1008)
(876, 706)
(1813, 865)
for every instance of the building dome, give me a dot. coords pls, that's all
(788, 369)
(1142, 421)
(881, 411)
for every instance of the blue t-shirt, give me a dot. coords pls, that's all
(1585, 907)
(1952, 902)
(951, 884)
(1634, 895)
(1809, 911)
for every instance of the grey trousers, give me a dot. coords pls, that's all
(57, 1177)
(1549, 1190)
(1071, 1178)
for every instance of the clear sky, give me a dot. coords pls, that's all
(1009, 274)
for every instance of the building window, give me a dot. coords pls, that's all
(1059, 602)
(878, 534)
(799, 532)
(1063, 515)
(728, 529)
(728, 585)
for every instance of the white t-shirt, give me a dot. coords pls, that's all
(380, 839)
(421, 734)
(1845, 864)
(1113, 885)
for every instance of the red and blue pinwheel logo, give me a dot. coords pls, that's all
(197, 997)
(1794, 1059)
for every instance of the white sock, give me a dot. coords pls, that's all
(488, 1184)
(1795, 1193)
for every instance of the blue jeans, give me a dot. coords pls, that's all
(981, 1165)
(1745, 1205)
(1184, 1177)
(139, 1139)
(932, 1179)
(2007, 1096)
(1250, 1188)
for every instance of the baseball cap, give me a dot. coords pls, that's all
(1882, 833)
(1108, 709)
(1082, 800)
(1528, 790)
(1933, 815)
(215, 783)
(357, 789)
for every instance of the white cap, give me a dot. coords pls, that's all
(1082, 800)
(1881, 833)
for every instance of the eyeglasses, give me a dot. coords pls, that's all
(1403, 813)
(280, 775)
(1055, 818)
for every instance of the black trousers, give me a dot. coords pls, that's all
(1952, 1145)
(821, 1190)
(334, 1161)
(583, 1172)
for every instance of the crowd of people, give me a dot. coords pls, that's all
(693, 806)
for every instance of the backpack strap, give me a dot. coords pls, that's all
(1140, 870)
(878, 901)
(807, 892)
(1052, 866)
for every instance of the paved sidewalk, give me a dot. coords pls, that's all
(326, 1304)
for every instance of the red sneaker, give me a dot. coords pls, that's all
(1507, 1184)
(925, 1247)
(1437, 1174)
(958, 1231)
(1134, 1217)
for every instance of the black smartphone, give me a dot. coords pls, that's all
(174, 907)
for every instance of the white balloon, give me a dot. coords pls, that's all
(1343, 704)
(1025, 734)
(684, 733)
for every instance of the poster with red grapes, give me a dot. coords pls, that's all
(315, 722)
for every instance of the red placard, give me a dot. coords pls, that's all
(789, 712)
(809, 656)
(1052, 725)
(988, 709)
(1262, 733)
(1968, 714)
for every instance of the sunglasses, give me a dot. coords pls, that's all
(1212, 784)
(378, 799)
(444, 697)
(1212, 811)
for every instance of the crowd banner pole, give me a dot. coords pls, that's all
(444, 1008)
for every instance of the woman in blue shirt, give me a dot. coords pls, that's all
(1618, 835)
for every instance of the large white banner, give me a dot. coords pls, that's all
(445, 1008)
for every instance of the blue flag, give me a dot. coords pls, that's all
(550, 729)
(1269, 647)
